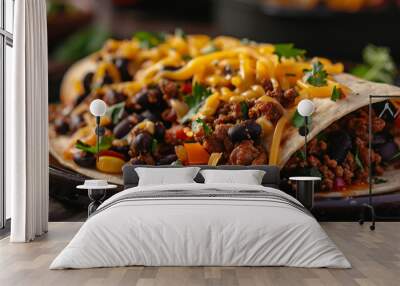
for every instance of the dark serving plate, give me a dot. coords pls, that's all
(62, 186)
(320, 31)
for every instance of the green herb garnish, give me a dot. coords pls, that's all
(336, 94)
(288, 51)
(378, 65)
(298, 120)
(301, 155)
(317, 75)
(200, 123)
(180, 33)
(322, 137)
(154, 145)
(115, 112)
(81, 44)
(149, 40)
(177, 163)
(244, 108)
(105, 144)
(210, 48)
(195, 101)
(395, 157)
(358, 160)
(379, 181)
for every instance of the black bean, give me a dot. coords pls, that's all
(112, 97)
(84, 159)
(87, 82)
(388, 151)
(339, 145)
(107, 79)
(159, 131)
(147, 114)
(253, 129)
(238, 133)
(76, 122)
(122, 65)
(142, 142)
(150, 98)
(122, 128)
(61, 125)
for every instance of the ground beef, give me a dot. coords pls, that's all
(229, 113)
(354, 169)
(268, 109)
(219, 140)
(169, 89)
(244, 153)
(286, 98)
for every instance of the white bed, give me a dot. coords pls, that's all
(246, 225)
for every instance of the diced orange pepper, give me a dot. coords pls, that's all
(196, 153)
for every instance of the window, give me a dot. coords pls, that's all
(6, 43)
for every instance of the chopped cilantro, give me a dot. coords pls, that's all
(317, 75)
(336, 94)
(379, 181)
(298, 120)
(378, 65)
(396, 156)
(194, 101)
(154, 145)
(200, 122)
(322, 137)
(358, 160)
(105, 144)
(210, 48)
(288, 51)
(301, 155)
(149, 40)
(115, 112)
(244, 108)
(177, 163)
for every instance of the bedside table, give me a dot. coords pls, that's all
(96, 194)
(306, 186)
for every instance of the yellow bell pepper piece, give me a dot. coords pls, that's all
(109, 164)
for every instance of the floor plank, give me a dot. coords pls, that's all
(375, 257)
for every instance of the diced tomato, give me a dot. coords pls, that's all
(186, 88)
(181, 134)
(112, 154)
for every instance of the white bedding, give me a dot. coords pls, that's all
(188, 231)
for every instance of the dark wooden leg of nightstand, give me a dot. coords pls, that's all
(96, 197)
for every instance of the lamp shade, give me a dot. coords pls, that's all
(98, 107)
(306, 107)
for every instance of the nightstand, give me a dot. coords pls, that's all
(305, 189)
(96, 192)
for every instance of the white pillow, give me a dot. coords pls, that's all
(166, 176)
(248, 177)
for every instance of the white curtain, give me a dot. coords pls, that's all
(26, 124)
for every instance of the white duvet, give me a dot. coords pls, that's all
(200, 231)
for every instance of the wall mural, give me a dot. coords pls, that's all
(191, 99)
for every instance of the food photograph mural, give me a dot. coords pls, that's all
(198, 88)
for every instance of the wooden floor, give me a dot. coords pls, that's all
(375, 257)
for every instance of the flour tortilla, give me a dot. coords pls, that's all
(75, 73)
(327, 112)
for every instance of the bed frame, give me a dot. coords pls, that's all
(271, 177)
